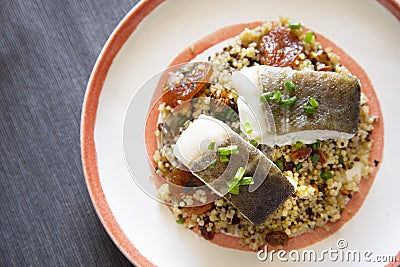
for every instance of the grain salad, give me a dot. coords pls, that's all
(325, 173)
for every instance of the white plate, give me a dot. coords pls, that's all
(147, 40)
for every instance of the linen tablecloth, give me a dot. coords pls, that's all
(47, 51)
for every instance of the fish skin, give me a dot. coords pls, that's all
(338, 96)
(270, 193)
(337, 115)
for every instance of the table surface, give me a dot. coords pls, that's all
(47, 51)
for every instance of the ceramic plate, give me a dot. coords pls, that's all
(147, 40)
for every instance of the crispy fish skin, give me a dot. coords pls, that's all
(272, 187)
(336, 116)
(338, 96)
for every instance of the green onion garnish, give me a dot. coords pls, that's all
(317, 145)
(247, 127)
(288, 102)
(265, 97)
(232, 184)
(298, 145)
(308, 37)
(223, 158)
(239, 174)
(246, 181)
(233, 187)
(315, 157)
(213, 163)
(294, 25)
(280, 164)
(234, 190)
(313, 102)
(182, 121)
(253, 142)
(326, 175)
(238, 180)
(309, 109)
(290, 85)
(340, 160)
(299, 166)
(211, 146)
(166, 88)
(181, 220)
(225, 151)
(276, 95)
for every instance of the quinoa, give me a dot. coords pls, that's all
(316, 200)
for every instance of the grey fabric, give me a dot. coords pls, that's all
(47, 51)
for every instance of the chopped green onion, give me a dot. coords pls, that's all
(315, 157)
(294, 25)
(309, 109)
(238, 179)
(317, 145)
(166, 88)
(280, 164)
(223, 158)
(253, 142)
(299, 166)
(232, 184)
(308, 37)
(234, 190)
(341, 210)
(298, 145)
(211, 146)
(246, 181)
(265, 97)
(225, 151)
(182, 121)
(276, 95)
(340, 160)
(233, 187)
(239, 174)
(290, 85)
(247, 127)
(181, 220)
(288, 102)
(326, 175)
(313, 102)
(213, 163)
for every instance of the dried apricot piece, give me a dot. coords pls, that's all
(183, 178)
(280, 47)
(277, 238)
(193, 81)
(199, 209)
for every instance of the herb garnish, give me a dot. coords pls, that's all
(238, 180)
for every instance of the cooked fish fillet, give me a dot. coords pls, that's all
(337, 114)
(256, 202)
